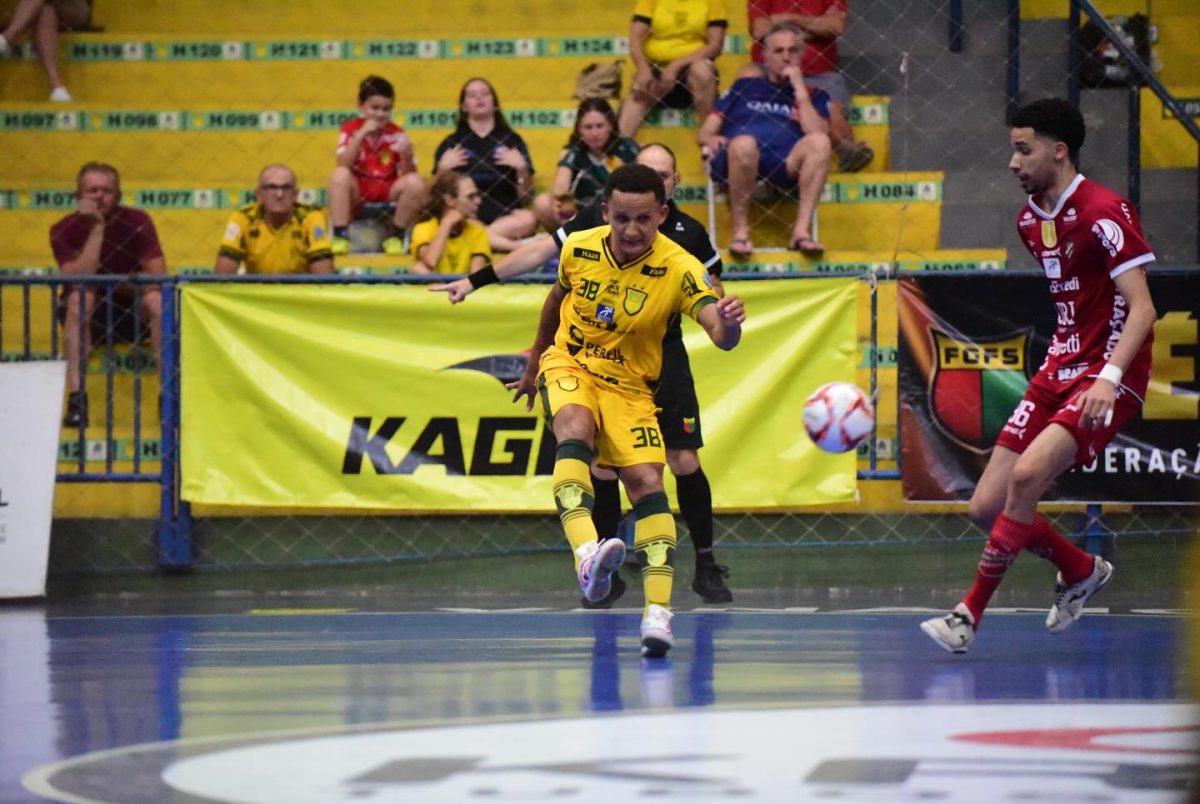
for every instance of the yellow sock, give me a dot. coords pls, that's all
(654, 541)
(573, 495)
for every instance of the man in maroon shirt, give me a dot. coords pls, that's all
(1089, 242)
(102, 237)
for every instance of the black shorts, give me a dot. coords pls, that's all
(122, 317)
(679, 96)
(679, 419)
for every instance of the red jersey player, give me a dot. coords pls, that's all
(374, 164)
(1089, 242)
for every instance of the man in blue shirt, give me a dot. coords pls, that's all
(771, 127)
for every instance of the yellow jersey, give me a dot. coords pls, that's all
(456, 258)
(678, 27)
(290, 249)
(614, 316)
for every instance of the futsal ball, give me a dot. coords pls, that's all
(838, 417)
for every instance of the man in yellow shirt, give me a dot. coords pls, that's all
(275, 234)
(673, 45)
(618, 288)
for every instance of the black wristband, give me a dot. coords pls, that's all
(484, 276)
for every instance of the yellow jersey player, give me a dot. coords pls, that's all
(618, 288)
(275, 234)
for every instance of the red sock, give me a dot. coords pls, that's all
(1073, 563)
(1006, 540)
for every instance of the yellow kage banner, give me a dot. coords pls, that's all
(387, 397)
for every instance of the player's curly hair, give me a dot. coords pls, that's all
(1057, 119)
(635, 179)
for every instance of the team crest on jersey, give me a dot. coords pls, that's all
(976, 384)
(605, 313)
(1049, 234)
(568, 384)
(634, 301)
(1110, 236)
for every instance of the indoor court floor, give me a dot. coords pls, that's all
(536, 704)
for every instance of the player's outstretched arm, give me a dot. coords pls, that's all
(1096, 403)
(723, 321)
(522, 261)
(547, 326)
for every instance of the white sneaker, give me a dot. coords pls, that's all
(60, 95)
(1069, 600)
(597, 567)
(954, 631)
(656, 631)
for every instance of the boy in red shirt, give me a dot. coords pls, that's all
(374, 165)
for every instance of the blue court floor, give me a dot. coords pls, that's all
(281, 705)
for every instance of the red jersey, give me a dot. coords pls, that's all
(379, 157)
(820, 55)
(1091, 237)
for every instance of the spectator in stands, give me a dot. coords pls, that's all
(771, 127)
(375, 164)
(595, 149)
(451, 240)
(103, 237)
(673, 46)
(820, 23)
(486, 148)
(275, 234)
(45, 17)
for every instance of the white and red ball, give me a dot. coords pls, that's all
(838, 416)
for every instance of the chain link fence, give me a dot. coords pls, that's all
(190, 107)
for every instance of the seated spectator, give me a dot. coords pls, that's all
(673, 46)
(495, 157)
(102, 237)
(276, 235)
(46, 17)
(772, 128)
(820, 23)
(594, 150)
(374, 165)
(451, 240)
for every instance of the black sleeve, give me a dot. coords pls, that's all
(695, 241)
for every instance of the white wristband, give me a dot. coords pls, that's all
(1111, 373)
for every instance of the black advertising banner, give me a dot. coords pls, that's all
(968, 345)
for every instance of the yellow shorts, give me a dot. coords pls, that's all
(626, 426)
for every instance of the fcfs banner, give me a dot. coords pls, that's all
(386, 397)
(968, 346)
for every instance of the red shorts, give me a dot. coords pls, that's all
(372, 190)
(1042, 407)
